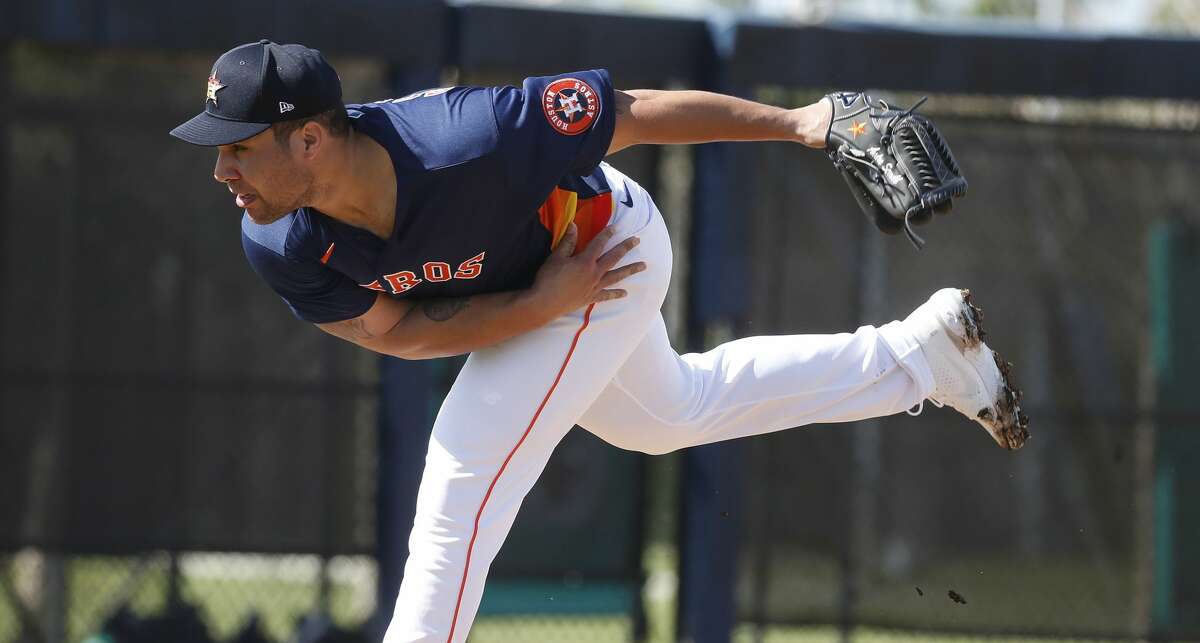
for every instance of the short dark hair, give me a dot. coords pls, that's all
(335, 120)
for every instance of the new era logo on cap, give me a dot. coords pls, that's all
(246, 89)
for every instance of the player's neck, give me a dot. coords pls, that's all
(360, 187)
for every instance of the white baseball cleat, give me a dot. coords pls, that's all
(968, 376)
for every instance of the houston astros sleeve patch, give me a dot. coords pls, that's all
(570, 105)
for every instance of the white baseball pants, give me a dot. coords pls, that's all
(610, 368)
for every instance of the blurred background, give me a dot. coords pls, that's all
(182, 461)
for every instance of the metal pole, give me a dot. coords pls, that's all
(50, 489)
(1145, 435)
(406, 397)
(332, 446)
(708, 562)
(715, 304)
(866, 446)
(36, 523)
(712, 473)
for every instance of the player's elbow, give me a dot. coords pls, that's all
(421, 351)
(393, 342)
(396, 343)
(415, 343)
(625, 131)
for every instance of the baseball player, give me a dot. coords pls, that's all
(483, 220)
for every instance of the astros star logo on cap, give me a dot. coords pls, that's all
(214, 86)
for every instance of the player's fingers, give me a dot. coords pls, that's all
(614, 255)
(566, 245)
(606, 295)
(613, 276)
(596, 245)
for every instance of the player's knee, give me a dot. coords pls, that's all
(659, 449)
(649, 447)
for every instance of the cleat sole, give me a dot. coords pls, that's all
(1008, 424)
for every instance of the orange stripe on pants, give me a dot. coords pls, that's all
(587, 316)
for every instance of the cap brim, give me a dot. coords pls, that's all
(208, 130)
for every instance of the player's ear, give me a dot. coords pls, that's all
(312, 136)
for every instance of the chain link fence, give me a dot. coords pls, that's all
(214, 596)
(160, 410)
(922, 523)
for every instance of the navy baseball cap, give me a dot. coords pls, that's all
(255, 85)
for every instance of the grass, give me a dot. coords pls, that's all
(281, 589)
(616, 629)
(226, 589)
(745, 634)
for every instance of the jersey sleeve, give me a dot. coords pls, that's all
(553, 126)
(314, 292)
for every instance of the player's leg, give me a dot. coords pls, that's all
(508, 409)
(661, 401)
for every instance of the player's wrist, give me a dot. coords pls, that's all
(811, 123)
(539, 304)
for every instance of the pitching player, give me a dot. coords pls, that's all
(482, 220)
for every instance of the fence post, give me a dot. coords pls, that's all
(51, 608)
(407, 402)
(1175, 554)
(712, 474)
(866, 446)
(6, 114)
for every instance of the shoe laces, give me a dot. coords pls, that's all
(919, 407)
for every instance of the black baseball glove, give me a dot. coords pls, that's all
(895, 161)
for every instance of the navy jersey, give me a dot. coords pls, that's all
(487, 180)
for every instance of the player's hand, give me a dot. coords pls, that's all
(565, 283)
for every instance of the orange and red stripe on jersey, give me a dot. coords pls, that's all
(563, 206)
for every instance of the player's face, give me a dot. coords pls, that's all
(263, 176)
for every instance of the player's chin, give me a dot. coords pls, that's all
(261, 215)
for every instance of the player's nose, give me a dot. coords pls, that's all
(225, 169)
